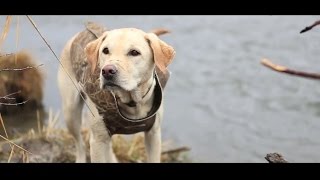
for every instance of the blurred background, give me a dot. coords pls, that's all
(220, 101)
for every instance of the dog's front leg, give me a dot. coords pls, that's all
(153, 146)
(153, 140)
(101, 145)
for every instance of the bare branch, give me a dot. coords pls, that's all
(11, 153)
(12, 144)
(8, 96)
(177, 150)
(5, 132)
(8, 54)
(160, 31)
(286, 70)
(275, 158)
(5, 30)
(310, 27)
(20, 69)
(64, 69)
(15, 144)
(4, 128)
(13, 104)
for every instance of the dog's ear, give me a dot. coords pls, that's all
(92, 51)
(162, 52)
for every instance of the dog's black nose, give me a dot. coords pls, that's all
(109, 71)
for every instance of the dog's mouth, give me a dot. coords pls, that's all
(109, 84)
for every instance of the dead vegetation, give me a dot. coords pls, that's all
(283, 69)
(53, 145)
(20, 81)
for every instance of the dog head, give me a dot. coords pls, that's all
(127, 57)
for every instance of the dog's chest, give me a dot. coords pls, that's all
(106, 106)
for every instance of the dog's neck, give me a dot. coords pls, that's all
(137, 103)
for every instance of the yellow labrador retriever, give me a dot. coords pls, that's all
(121, 74)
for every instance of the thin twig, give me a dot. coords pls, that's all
(5, 132)
(5, 30)
(14, 104)
(34, 25)
(11, 153)
(20, 69)
(177, 150)
(7, 96)
(310, 27)
(4, 128)
(160, 31)
(286, 70)
(17, 40)
(25, 157)
(15, 144)
(8, 54)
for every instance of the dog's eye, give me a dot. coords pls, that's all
(105, 51)
(134, 53)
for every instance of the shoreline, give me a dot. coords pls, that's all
(55, 145)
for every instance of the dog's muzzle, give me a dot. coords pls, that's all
(109, 73)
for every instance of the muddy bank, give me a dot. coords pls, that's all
(53, 145)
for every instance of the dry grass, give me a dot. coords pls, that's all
(5, 31)
(20, 80)
(51, 144)
(12, 144)
(29, 81)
